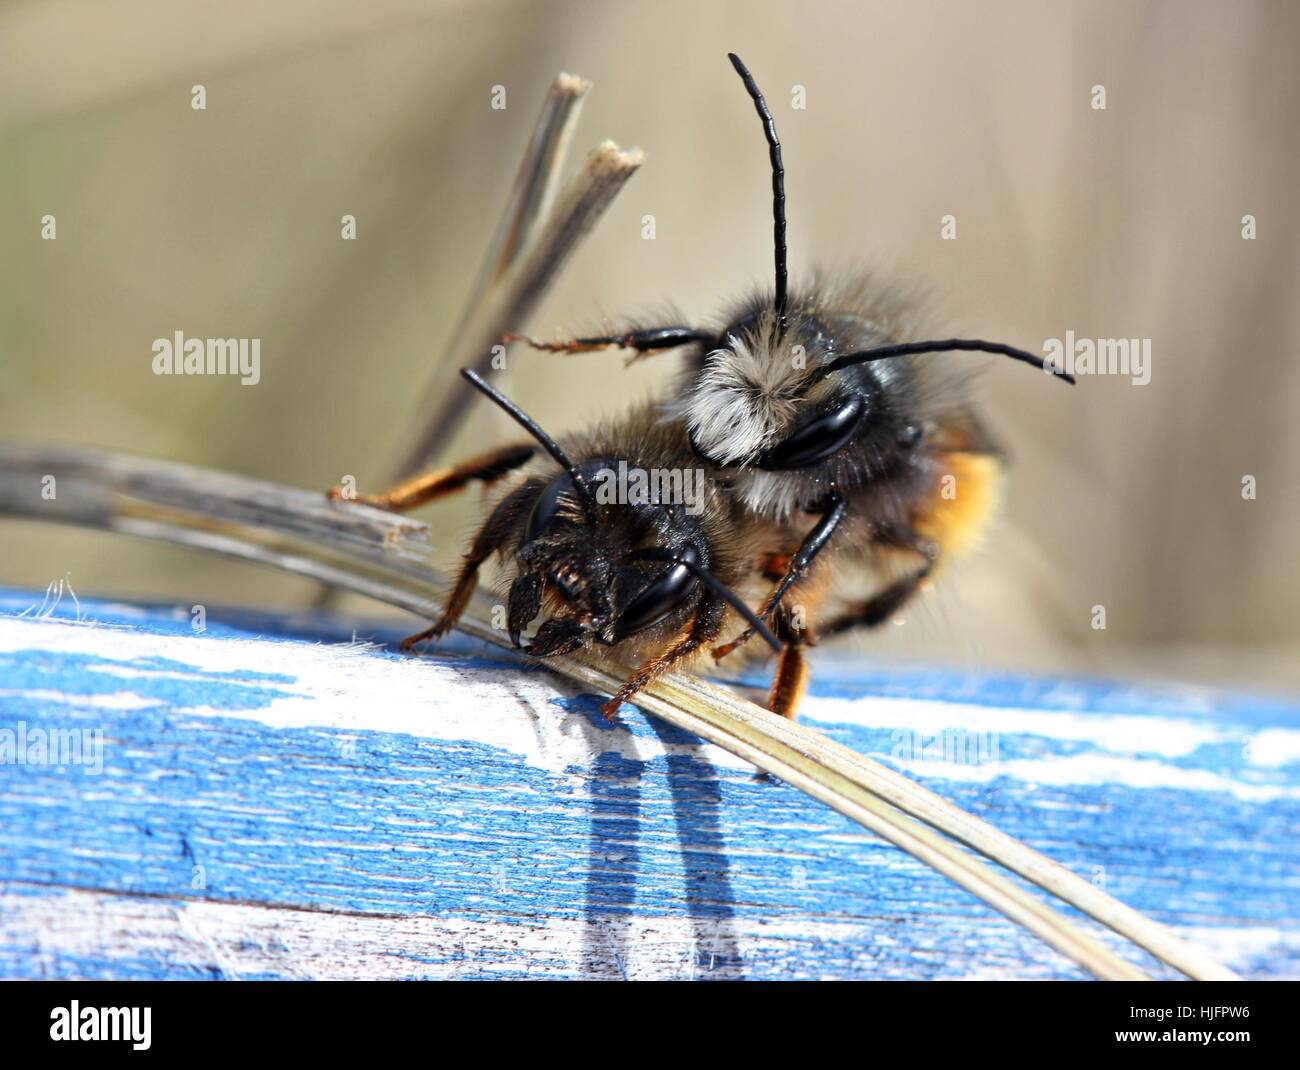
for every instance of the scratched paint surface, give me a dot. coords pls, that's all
(276, 800)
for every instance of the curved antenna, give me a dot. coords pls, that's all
(528, 424)
(965, 345)
(778, 182)
(658, 553)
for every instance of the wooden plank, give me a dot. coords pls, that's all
(278, 801)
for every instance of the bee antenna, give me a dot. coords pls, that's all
(659, 553)
(778, 182)
(530, 425)
(966, 345)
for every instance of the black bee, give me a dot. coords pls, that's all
(830, 428)
(647, 576)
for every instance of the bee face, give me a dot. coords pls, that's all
(747, 393)
(762, 402)
(594, 576)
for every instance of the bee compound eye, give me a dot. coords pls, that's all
(545, 508)
(549, 501)
(817, 439)
(664, 593)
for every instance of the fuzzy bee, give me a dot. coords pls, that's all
(649, 579)
(832, 430)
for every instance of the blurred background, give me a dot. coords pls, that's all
(1125, 222)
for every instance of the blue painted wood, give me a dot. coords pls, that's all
(275, 800)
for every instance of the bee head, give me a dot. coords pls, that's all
(598, 566)
(605, 571)
(760, 399)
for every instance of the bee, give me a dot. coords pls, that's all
(648, 579)
(819, 412)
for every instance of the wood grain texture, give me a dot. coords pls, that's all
(276, 800)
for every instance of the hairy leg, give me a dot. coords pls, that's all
(789, 681)
(490, 538)
(643, 341)
(702, 629)
(485, 468)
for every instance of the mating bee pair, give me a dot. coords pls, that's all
(823, 436)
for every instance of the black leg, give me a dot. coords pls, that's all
(644, 340)
(812, 545)
(879, 608)
(524, 603)
(559, 635)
